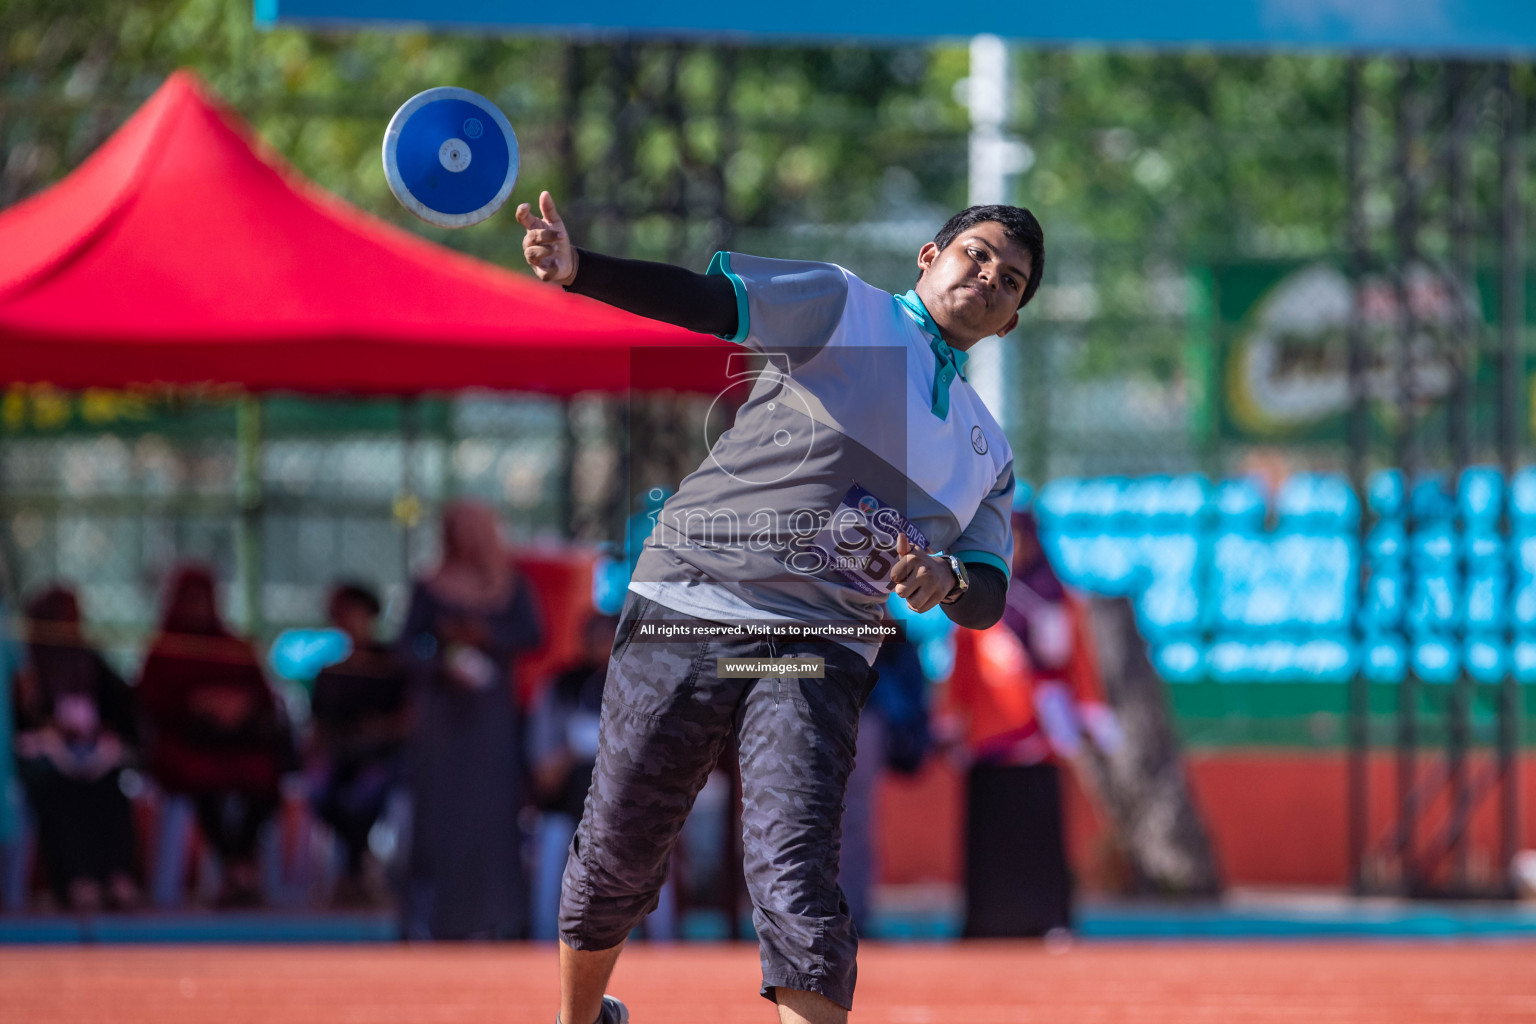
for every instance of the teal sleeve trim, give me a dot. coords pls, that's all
(984, 558)
(721, 264)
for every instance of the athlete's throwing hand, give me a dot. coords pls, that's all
(547, 245)
(919, 577)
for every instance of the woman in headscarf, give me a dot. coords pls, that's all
(76, 734)
(468, 619)
(1036, 609)
(216, 731)
(1024, 685)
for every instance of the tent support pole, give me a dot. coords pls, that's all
(408, 505)
(569, 443)
(249, 556)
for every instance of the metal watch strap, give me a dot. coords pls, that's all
(962, 580)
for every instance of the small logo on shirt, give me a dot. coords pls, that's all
(978, 441)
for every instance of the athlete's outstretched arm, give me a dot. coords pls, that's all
(659, 291)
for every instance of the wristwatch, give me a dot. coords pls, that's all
(962, 580)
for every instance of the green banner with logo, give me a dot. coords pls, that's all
(1279, 336)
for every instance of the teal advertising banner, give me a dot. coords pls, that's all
(1481, 27)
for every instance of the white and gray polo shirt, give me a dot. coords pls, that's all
(853, 399)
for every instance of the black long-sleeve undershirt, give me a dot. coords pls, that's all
(658, 291)
(707, 303)
(982, 603)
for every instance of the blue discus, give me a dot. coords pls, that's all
(450, 157)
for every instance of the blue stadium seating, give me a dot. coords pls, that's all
(1233, 587)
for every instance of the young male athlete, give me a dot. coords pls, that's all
(861, 464)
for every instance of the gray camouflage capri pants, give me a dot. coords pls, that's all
(666, 718)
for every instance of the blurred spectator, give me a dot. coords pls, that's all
(1028, 692)
(562, 750)
(75, 733)
(10, 816)
(216, 732)
(12, 896)
(893, 735)
(360, 719)
(467, 621)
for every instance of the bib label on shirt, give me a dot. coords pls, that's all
(859, 540)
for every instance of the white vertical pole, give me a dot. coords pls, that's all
(987, 98)
(992, 158)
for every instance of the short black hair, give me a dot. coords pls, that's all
(358, 595)
(1018, 224)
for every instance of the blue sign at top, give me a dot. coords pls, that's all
(1450, 27)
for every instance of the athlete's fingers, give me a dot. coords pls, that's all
(917, 582)
(526, 217)
(543, 236)
(922, 596)
(547, 208)
(904, 560)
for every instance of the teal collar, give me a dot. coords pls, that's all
(950, 362)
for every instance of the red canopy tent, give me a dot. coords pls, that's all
(184, 251)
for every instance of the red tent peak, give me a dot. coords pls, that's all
(185, 250)
(62, 219)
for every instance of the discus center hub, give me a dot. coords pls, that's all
(454, 155)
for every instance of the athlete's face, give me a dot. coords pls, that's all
(972, 287)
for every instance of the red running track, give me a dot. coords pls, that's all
(974, 983)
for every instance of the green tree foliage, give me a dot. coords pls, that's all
(790, 133)
(1162, 151)
(1144, 164)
